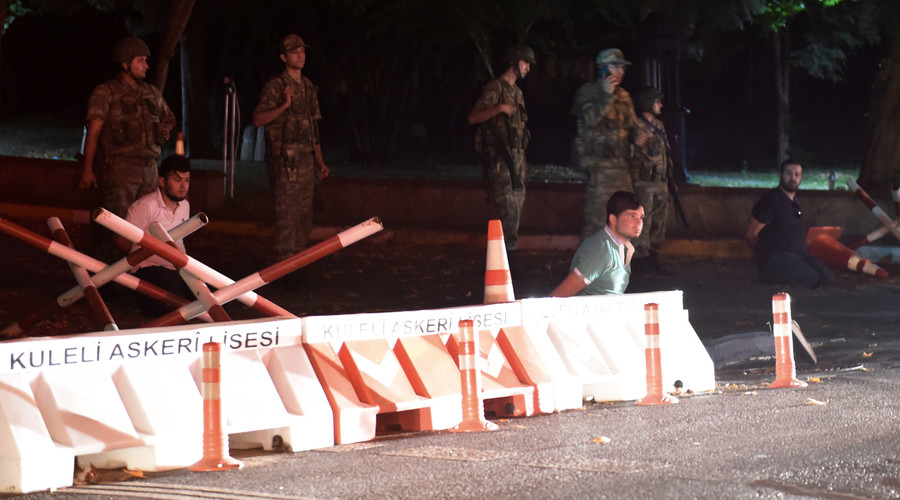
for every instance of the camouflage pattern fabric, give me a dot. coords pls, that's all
(654, 198)
(293, 207)
(507, 201)
(291, 139)
(651, 168)
(605, 124)
(131, 140)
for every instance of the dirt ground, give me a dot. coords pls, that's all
(853, 323)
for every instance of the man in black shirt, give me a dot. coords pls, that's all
(777, 236)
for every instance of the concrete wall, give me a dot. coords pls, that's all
(714, 213)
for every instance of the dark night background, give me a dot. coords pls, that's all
(50, 63)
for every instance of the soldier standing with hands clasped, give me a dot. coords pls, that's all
(502, 138)
(288, 108)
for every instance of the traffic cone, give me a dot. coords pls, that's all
(814, 232)
(215, 441)
(785, 370)
(655, 394)
(179, 144)
(470, 379)
(497, 279)
(833, 253)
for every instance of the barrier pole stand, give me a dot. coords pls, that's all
(470, 379)
(655, 394)
(215, 441)
(785, 370)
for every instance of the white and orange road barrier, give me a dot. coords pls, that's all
(874, 235)
(599, 342)
(895, 195)
(877, 211)
(497, 278)
(91, 294)
(179, 144)
(216, 454)
(91, 264)
(785, 370)
(655, 394)
(470, 382)
(833, 253)
(245, 286)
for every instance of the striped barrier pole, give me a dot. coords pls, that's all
(497, 279)
(134, 258)
(785, 370)
(91, 264)
(180, 260)
(877, 211)
(91, 294)
(895, 195)
(228, 293)
(470, 379)
(215, 441)
(872, 236)
(655, 394)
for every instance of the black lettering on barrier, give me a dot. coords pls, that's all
(16, 360)
(167, 347)
(150, 347)
(134, 348)
(184, 344)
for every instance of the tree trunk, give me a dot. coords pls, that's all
(881, 162)
(179, 15)
(781, 42)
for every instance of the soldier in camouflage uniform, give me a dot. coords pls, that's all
(288, 108)
(606, 127)
(651, 169)
(128, 122)
(501, 140)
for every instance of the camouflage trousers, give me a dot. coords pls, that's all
(293, 206)
(605, 178)
(507, 202)
(126, 179)
(654, 198)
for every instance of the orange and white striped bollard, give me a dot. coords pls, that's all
(470, 379)
(655, 394)
(215, 441)
(785, 370)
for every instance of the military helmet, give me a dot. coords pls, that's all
(645, 97)
(611, 56)
(518, 53)
(128, 48)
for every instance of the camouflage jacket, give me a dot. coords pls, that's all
(652, 162)
(605, 122)
(512, 129)
(297, 129)
(134, 120)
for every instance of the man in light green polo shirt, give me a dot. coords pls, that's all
(602, 263)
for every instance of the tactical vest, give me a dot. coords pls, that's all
(511, 129)
(133, 123)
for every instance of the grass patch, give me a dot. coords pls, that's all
(813, 178)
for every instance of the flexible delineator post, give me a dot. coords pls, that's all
(470, 382)
(91, 294)
(655, 394)
(785, 370)
(877, 211)
(228, 293)
(215, 442)
(91, 264)
(180, 260)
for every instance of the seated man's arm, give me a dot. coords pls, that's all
(753, 228)
(573, 284)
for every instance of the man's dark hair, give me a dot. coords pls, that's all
(785, 163)
(174, 163)
(621, 201)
